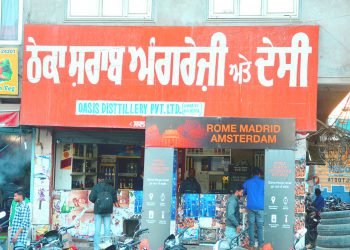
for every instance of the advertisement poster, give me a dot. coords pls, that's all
(157, 194)
(334, 180)
(207, 205)
(115, 81)
(67, 156)
(9, 119)
(41, 199)
(8, 71)
(242, 133)
(74, 208)
(279, 198)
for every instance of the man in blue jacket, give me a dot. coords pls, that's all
(319, 201)
(254, 189)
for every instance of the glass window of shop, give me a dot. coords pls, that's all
(80, 165)
(218, 169)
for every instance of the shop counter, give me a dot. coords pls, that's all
(205, 215)
(74, 207)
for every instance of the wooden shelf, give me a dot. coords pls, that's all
(127, 157)
(108, 164)
(77, 173)
(78, 158)
(84, 158)
(207, 155)
(127, 174)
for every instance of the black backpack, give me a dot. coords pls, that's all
(104, 202)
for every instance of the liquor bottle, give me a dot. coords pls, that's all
(106, 173)
(75, 149)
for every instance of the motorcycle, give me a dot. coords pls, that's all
(231, 245)
(312, 220)
(3, 215)
(175, 242)
(52, 240)
(124, 243)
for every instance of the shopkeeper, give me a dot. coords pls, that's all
(190, 185)
(138, 182)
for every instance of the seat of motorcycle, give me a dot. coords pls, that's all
(52, 235)
(170, 237)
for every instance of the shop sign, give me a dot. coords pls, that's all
(109, 79)
(249, 133)
(279, 198)
(157, 194)
(331, 176)
(8, 71)
(9, 119)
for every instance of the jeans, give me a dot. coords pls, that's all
(256, 216)
(9, 245)
(107, 228)
(19, 246)
(230, 233)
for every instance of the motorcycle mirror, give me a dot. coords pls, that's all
(2, 214)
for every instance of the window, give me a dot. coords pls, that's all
(231, 9)
(11, 12)
(109, 9)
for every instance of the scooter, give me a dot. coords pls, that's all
(175, 242)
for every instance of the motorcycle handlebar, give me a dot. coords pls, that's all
(140, 232)
(135, 243)
(183, 232)
(65, 229)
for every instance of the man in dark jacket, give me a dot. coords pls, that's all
(100, 195)
(233, 216)
(190, 185)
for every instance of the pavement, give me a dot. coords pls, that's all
(87, 246)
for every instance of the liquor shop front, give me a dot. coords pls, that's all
(97, 92)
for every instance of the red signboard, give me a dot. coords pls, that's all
(9, 119)
(211, 132)
(97, 76)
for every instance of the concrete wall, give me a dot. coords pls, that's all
(332, 16)
(42, 177)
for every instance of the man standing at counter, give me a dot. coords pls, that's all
(190, 185)
(233, 216)
(103, 195)
(254, 189)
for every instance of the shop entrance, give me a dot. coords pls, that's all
(223, 152)
(15, 166)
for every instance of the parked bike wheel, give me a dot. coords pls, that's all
(333, 241)
(333, 230)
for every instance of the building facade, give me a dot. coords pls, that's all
(58, 135)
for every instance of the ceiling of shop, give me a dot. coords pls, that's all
(328, 98)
